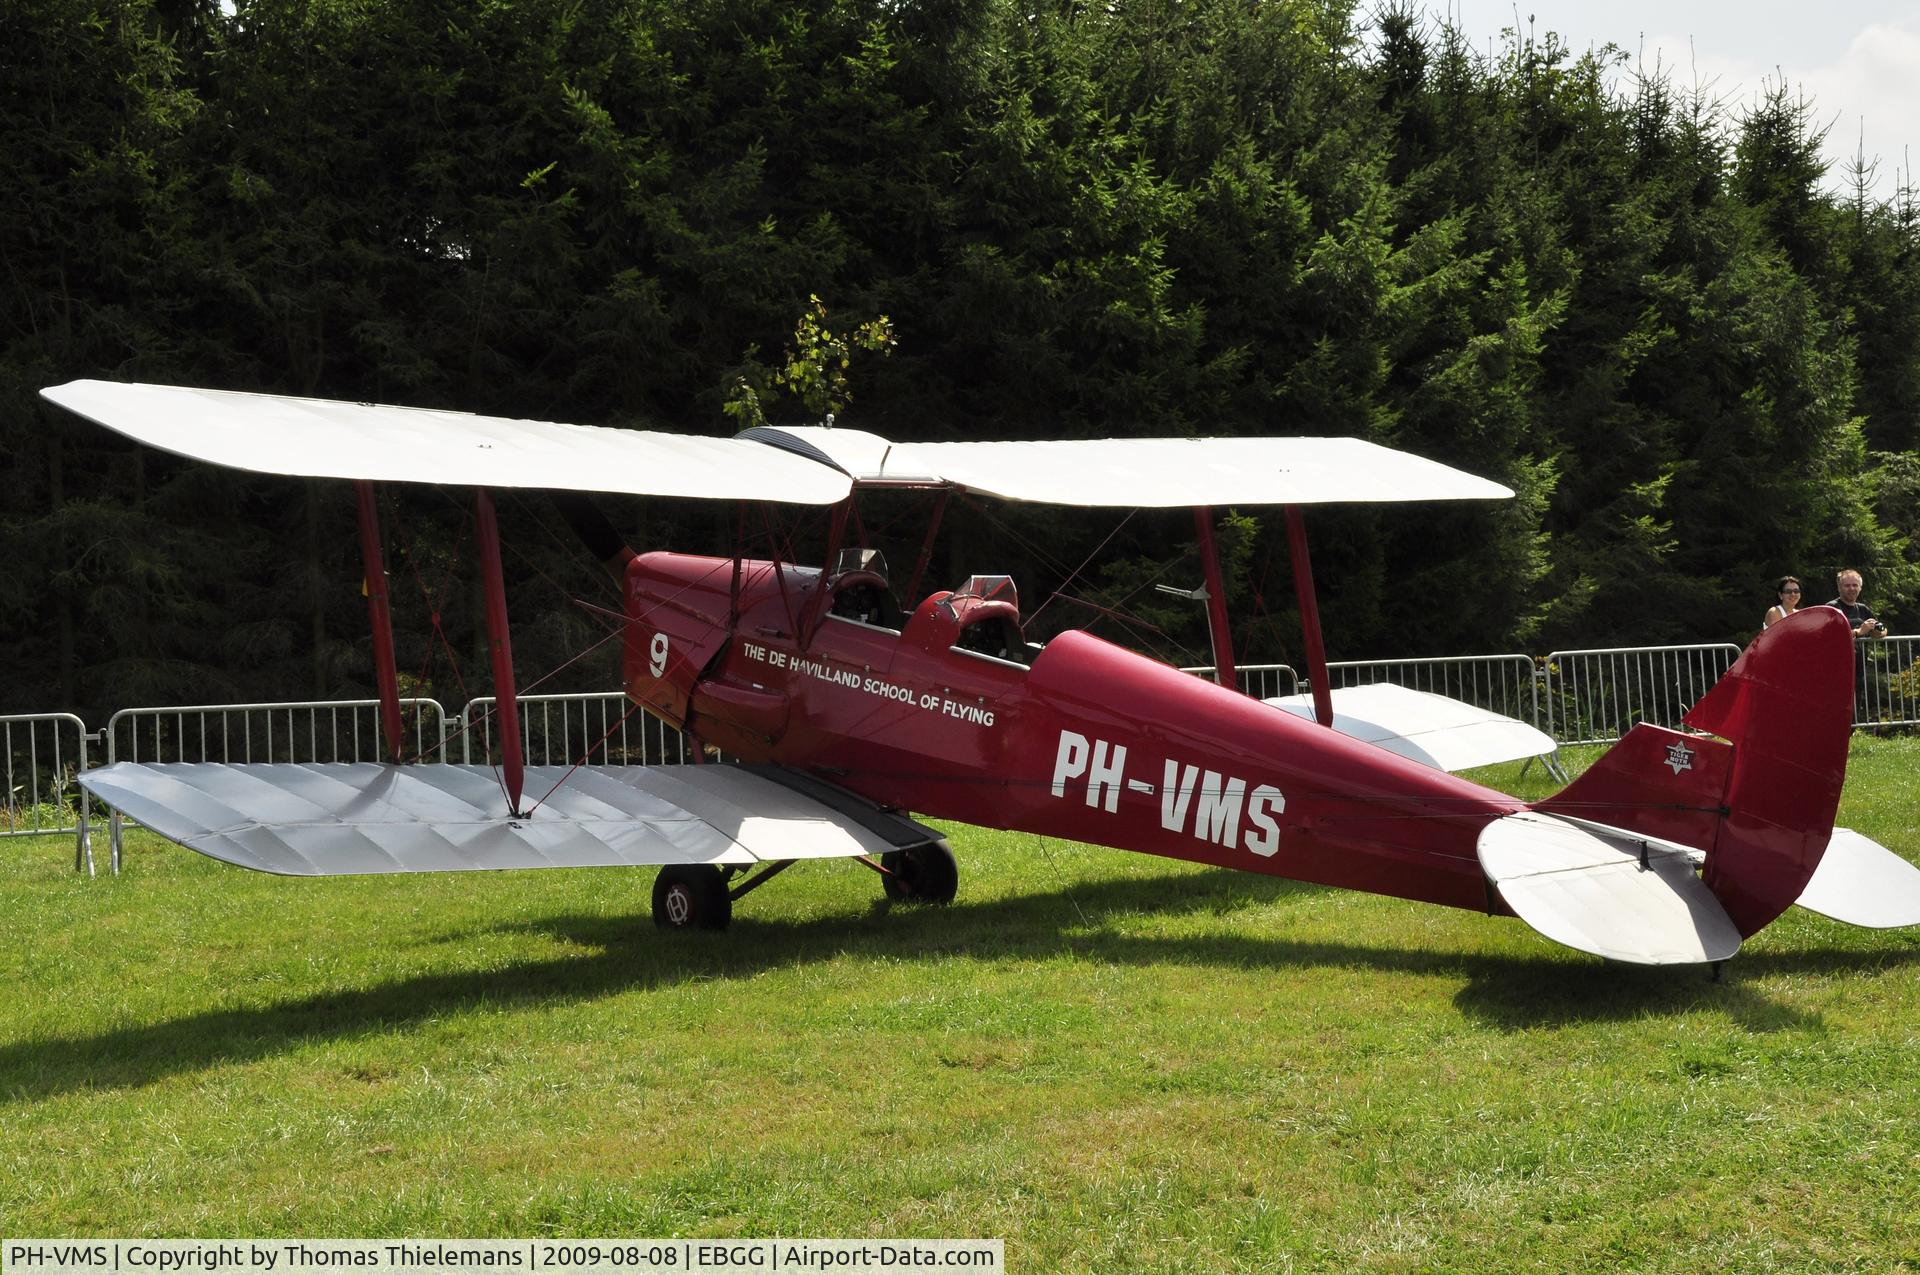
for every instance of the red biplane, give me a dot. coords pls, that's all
(846, 711)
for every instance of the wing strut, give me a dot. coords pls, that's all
(814, 608)
(1217, 628)
(499, 641)
(1309, 617)
(379, 617)
(926, 546)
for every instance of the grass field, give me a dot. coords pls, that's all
(1116, 1063)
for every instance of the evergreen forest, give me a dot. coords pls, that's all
(1691, 350)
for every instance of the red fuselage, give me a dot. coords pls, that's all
(1082, 740)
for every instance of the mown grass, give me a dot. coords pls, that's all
(1116, 1063)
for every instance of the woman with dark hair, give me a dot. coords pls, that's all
(1789, 591)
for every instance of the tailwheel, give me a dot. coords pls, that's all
(923, 874)
(691, 896)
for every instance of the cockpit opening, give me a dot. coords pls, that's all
(988, 609)
(860, 591)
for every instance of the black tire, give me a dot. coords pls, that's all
(691, 896)
(924, 874)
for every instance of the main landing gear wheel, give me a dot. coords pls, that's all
(691, 896)
(924, 874)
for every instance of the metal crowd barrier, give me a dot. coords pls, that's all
(293, 731)
(44, 754)
(1886, 685)
(1596, 696)
(1262, 681)
(603, 728)
(1502, 683)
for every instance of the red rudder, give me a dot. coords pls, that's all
(1786, 705)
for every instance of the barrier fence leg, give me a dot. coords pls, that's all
(83, 838)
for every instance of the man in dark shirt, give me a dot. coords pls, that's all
(1860, 616)
(1858, 613)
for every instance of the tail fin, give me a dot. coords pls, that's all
(1761, 805)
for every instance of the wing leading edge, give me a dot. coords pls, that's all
(353, 818)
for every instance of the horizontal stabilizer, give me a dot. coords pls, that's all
(1434, 730)
(1861, 882)
(350, 818)
(1607, 892)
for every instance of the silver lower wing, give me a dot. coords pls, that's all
(350, 818)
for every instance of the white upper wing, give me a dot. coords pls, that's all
(1155, 473)
(327, 438)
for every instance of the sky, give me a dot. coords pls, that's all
(1856, 61)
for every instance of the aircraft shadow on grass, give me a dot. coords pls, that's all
(1505, 992)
